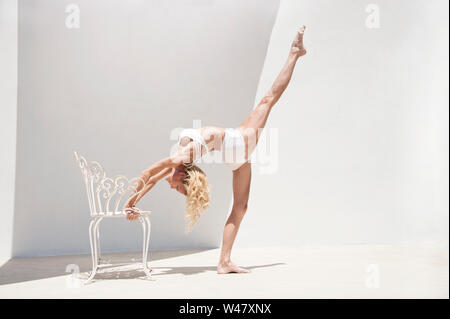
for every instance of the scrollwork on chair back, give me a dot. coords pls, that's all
(106, 195)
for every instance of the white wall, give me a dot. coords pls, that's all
(8, 107)
(113, 90)
(363, 127)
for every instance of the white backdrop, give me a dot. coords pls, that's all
(363, 127)
(114, 89)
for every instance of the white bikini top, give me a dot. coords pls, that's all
(195, 135)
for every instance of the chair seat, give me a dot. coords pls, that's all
(118, 214)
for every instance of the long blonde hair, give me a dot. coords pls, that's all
(197, 194)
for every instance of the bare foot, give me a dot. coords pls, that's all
(297, 47)
(229, 268)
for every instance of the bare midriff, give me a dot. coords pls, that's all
(213, 137)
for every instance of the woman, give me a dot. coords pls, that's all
(236, 144)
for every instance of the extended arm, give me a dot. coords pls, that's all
(147, 186)
(150, 176)
(157, 171)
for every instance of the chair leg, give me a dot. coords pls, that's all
(97, 235)
(145, 221)
(94, 253)
(91, 241)
(96, 242)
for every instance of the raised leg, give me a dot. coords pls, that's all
(253, 125)
(241, 190)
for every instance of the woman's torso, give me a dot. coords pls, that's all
(209, 137)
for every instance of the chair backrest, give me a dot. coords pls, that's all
(106, 196)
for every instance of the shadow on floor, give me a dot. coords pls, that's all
(197, 270)
(134, 271)
(25, 269)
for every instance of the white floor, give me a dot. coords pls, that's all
(354, 271)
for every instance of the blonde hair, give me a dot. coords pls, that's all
(197, 195)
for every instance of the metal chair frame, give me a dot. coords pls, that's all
(106, 197)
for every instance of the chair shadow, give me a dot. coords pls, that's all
(125, 271)
(18, 270)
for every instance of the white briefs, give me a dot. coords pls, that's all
(233, 149)
(233, 146)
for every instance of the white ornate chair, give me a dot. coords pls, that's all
(106, 197)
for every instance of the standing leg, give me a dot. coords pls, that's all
(241, 190)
